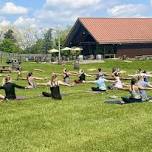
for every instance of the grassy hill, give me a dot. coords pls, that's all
(81, 122)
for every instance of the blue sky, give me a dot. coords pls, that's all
(54, 13)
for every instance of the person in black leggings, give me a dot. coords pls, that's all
(135, 93)
(54, 84)
(9, 88)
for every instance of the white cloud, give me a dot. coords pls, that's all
(128, 10)
(65, 12)
(24, 22)
(72, 3)
(57, 17)
(11, 8)
(4, 23)
(20, 23)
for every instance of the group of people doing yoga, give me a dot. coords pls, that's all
(137, 87)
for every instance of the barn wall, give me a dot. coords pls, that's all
(133, 51)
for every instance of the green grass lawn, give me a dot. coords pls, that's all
(81, 122)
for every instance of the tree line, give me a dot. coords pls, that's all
(32, 41)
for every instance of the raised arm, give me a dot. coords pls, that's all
(64, 84)
(37, 78)
(143, 88)
(90, 81)
(133, 75)
(18, 86)
(148, 75)
(43, 84)
(149, 85)
(109, 80)
(74, 73)
(88, 75)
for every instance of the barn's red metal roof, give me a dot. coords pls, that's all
(119, 30)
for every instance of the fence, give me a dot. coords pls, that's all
(26, 57)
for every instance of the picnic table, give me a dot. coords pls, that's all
(5, 68)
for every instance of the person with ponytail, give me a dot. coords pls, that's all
(54, 84)
(135, 92)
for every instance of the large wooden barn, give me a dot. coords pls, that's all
(112, 36)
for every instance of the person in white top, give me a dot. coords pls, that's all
(117, 84)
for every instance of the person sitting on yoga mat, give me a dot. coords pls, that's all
(142, 83)
(117, 82)
(135, 94)
(145, 76)
(101, 86)
(100, 73)
(66, 76)
(9, 88)
(54, 84)
(82, 77)
(19, 73)
(143, 73)
(115, 70)
(31, 80)
(118, 71)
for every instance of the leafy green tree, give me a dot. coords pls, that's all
(48, 40)
(9, 35)
(42, 45)
(37, 48)
(62, 35)
(8, 45)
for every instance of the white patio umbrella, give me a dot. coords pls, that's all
(76, 49)
(66, 49)
(53, 51)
